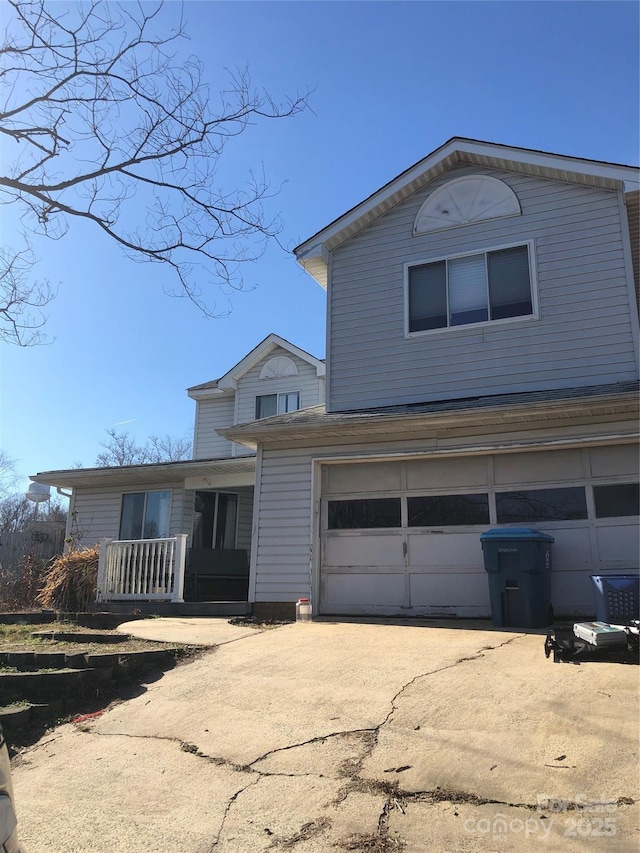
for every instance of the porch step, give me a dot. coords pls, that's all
(160, 608)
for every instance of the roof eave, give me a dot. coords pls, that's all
(163, 472)
(385, 424)
(313, 253)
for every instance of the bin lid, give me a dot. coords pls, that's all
(511, 533)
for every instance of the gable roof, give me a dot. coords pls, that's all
(229, 382)
(313, 254)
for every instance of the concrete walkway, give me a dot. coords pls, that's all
(195, 631)
(345, 736)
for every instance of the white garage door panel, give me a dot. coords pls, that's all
(571, 548)
(343, 479)
(352, 591)
(349, 550)
(541, 467)
(619, 459)
(446, 473)
(618, 546)
(439, 550)
(451, 589)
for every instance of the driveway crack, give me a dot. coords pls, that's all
(479, 654)
(228, 808)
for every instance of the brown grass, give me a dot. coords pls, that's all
(20, 592)
(71, 582)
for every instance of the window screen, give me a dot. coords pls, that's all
(288, 402)
(428, 297)
(509, 283)
(266, 405)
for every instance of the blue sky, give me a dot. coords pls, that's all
(392, 82)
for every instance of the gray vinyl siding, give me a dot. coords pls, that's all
(98, 511)
(210, 416)
(583, 335)
(284, 534)
(245, 517)
(250, 386)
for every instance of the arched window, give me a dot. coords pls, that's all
(466, 200)
(278, 367)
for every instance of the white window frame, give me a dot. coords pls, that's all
(526, 318)
(146, 493)
(279, 395)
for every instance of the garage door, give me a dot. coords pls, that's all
(391, 544)
(403, 537)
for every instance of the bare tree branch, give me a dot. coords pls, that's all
(106, 121)
(120, 448)
(21, 301)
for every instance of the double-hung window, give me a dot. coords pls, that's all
(145, 515)
(478, 288)
(268, 405)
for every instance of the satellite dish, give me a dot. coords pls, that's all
(38, 493)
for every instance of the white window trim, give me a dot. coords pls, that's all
(507, 321)
(279, 394)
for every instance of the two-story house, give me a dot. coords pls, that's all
(482, 368)
(183, 530)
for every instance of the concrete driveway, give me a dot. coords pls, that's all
(345, 736)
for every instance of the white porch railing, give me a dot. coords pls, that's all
(142, 569)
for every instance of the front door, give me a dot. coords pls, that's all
(217, 570)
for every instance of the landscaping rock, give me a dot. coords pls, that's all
(98, 660)
(49, 660)
(75, 660)
(21, 660)
(15, 716)
(80, 637)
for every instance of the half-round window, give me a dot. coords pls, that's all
(278, 367)
(466, 200)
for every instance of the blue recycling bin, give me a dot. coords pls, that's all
(518, 565)
(617, 597)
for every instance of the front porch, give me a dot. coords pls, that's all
(163, 576)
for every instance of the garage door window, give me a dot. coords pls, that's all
(617, 501)
(364, 514)
(445, 510)
(541, 505)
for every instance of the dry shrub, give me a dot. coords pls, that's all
(71, 582)
(20, 592)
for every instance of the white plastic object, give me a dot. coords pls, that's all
(303, 610)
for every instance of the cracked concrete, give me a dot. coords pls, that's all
(345, 736)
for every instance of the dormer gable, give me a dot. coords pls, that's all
(274, 368)
(313, 255)
(274, 377)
